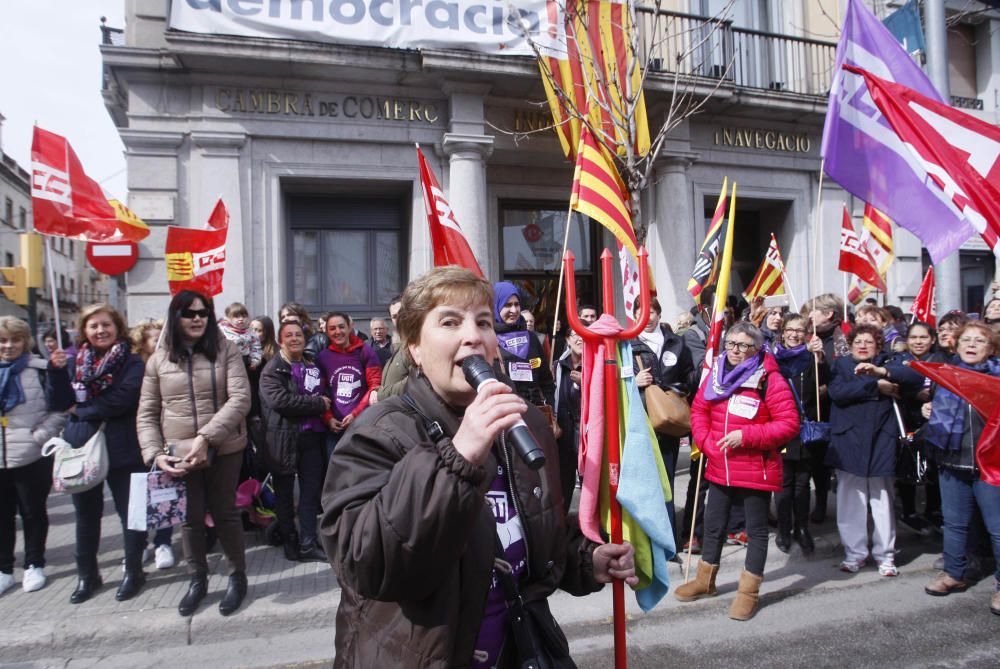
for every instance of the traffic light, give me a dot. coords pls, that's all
(16, 287)
(31, 259)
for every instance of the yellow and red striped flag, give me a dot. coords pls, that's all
(588, 77)
(770, 278)
(706, 266)
(598, 191)
(876, 236)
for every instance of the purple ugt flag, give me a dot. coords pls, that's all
(863, 153)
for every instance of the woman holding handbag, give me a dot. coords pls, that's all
(195, 398)
(296, 409)
(106, 383)
(799, 367)
(30, 388)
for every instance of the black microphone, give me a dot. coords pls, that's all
(479, 373)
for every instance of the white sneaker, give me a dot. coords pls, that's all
(6, 582)
(164, 557)
(34, 579)
(888, 569)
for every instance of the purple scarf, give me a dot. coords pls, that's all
(792, 361)
(723, 383)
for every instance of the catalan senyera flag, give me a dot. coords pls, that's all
(706, 267)
(876, 236)
(770, 278)
(714, 340)
(449, 242)
(588, 77)
(598, 191)
(66, 202)
(196, 258)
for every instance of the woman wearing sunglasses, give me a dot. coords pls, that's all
(196, 394)
(742, 415)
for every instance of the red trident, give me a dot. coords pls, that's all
(611, 410)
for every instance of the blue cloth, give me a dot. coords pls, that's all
(641, 490)
(11, 390)
(960, 494)
(862, 424)
(502, 292)
(904, 24)
(792, 361)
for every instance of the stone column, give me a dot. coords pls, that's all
(467, 147)
(673, 241)
(214, 172)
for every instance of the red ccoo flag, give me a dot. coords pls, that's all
(982, 391)
(67, 203)
(855, 258)
(923, 306)
(196, 259)
(960, 152)
(449, 242)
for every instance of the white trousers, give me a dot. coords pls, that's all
(855, 496)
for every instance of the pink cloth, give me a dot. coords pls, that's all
(756, 464)
(592, 418)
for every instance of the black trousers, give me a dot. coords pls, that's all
(89, 507)
(717, 507)
(213, 490)
(311, 458)
(24, 490)
(669, 449)
(793, 500)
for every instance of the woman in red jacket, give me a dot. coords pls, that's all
(741, 417)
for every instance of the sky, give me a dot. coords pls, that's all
(50, 74)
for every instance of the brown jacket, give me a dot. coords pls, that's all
(178, 396)
(412, 540)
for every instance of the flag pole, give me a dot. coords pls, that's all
(817, 233)
(52, 290)
(694, 515)
(562, 269)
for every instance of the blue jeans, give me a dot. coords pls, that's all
(960, 494)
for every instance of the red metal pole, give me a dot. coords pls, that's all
(612, 433)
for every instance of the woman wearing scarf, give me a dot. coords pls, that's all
(106, 382)
(798, 366)
(742, 415)
(294, 399)
(953, 431)
(521, 352)
(864, 431)
(29, 390)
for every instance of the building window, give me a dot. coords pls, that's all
(346, 253)
(72, 249)
(8, 211)
(8, 259)
(23, 218)
(72, 286)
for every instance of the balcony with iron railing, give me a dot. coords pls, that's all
(713, 49)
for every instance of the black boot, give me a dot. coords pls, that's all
(783, 539)
(235, 593)
(806, 541)
(85, 588)
(312, 552)
(131, 585)
(196, 592)
(291, 545)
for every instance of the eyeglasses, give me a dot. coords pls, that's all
(738, 346)
(864, 342)
(191, 314)
(978, 341)
(796, 330)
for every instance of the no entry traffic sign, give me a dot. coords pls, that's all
(114, 258)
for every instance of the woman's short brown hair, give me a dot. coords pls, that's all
(451, 284)
(865, 328)
(985, 330)
(16, 328)
(102, 308)
(879, 312)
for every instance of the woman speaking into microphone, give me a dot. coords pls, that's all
(429, 512)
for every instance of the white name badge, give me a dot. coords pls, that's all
(520, 371)
(744, 407)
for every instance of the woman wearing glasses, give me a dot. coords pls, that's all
(953, 431)
(799, 367)
(862, 449)
(742, 415)
(196, 393)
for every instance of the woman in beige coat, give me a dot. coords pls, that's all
(195, 397)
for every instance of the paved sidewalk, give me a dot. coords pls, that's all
(298, 601)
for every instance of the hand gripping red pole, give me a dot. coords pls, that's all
(611, 409)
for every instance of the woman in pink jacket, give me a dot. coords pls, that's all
(741, 417)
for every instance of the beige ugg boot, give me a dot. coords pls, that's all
(745, 604)
(702, 586)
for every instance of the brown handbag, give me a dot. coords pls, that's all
(668, 410)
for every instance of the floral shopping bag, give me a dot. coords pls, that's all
(156, 500)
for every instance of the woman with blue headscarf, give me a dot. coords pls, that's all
(521, 352)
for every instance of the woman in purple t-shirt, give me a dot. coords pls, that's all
(294, 401)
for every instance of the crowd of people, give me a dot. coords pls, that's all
(383, 458)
